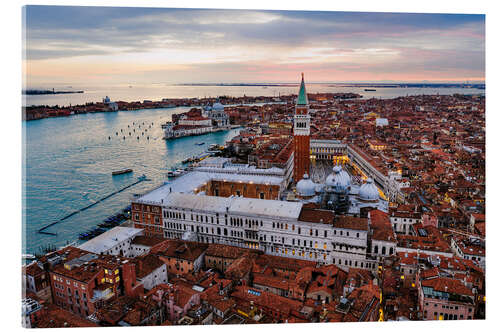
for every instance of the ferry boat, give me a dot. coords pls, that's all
(120, 172)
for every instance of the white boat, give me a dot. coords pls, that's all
(28, 257)
(175, 173)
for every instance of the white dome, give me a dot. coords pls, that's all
(306, 187)
(339, 180)
(368, 191)
(218, 107)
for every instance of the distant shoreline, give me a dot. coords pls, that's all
(344, 84)
(410, 85)
(50, 92)
(35, 112)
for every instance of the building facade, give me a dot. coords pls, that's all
(277, 228)
(148, 217)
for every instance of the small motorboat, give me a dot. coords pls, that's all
(200, 143)
(121, 172)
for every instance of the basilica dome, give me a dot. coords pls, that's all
(339, 180)
(306, 187)
(368, 191)
(218, 107)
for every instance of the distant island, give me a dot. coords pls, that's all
(50, 92)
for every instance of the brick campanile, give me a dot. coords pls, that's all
(301, 134)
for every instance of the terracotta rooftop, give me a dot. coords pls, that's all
(350, 222)
(147, 264)
(381, 226)
(147, 240)
(448, 285)
(55, 317)
(180, 249)
(316, 215)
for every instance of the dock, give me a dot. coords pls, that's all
(42, 230)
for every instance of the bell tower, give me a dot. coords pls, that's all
(301, 134)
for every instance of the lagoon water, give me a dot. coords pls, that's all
(68, 163)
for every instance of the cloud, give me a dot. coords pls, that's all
(387, 42)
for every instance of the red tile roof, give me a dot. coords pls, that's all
(449, 285)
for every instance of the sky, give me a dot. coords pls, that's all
(112, 45)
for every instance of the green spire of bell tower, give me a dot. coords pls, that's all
(302, 99)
